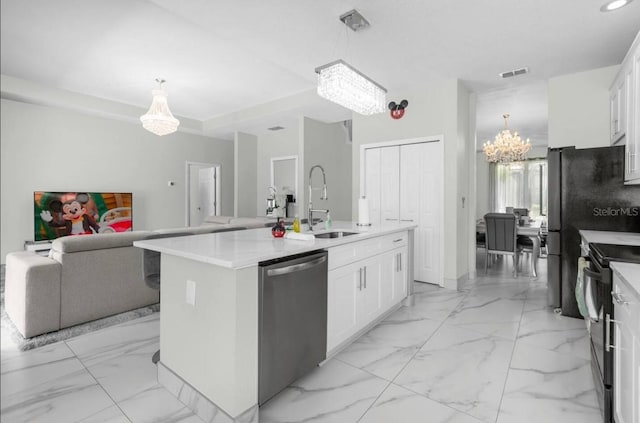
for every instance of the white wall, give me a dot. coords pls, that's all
(579, 108)
(327, 145)
(245, 156)
(432, 111)
(276, 144)
(52, 149)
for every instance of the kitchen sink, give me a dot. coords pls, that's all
(334, 234)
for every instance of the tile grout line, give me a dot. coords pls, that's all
(391, 382)
(99, 384)
(442, 323)
(515, 341)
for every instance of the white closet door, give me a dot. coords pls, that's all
(389, 183)
(425, 169)
(372, 183)
(410, 183)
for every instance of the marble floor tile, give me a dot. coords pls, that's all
(449, 358)
(61, 392)
(388, 347)
(462, 369)
(116, 341)
(546, 386)
(397, 404)
(112, 414)
(500, 290)
(125, 375)
(17, 360)
(436, 304)
(335, 392)
(156, 404)
(489, 314)
(543, 328)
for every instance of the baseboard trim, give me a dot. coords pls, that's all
(198, 403)
(456, 284)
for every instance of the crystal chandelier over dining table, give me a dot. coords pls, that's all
(506, 147)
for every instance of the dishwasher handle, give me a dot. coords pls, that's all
(296, 267)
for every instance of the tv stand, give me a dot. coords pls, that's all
(39, 247)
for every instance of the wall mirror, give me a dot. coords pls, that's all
(284, 175)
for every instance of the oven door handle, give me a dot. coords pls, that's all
(590, 302)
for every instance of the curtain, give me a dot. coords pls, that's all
(519, 185)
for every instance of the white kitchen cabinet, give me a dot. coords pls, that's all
(399, 272)
(365, 285)
(343, 295)
(353, 299)
(408, 187)
(624, 110)
(626, 354)
(393, 281)
(618, 108)
(632, 146)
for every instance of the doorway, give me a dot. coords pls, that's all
(202, 192)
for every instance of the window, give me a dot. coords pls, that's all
(520, 185)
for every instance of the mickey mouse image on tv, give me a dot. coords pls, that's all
(71, 217)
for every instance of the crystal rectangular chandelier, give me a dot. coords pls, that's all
(343, 84)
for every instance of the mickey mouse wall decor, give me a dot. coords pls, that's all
(397, 110)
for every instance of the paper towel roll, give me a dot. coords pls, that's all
(363, 212)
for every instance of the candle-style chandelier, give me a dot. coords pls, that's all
(506, 147)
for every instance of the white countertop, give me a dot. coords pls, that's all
(609, 237)
(239, 249)
(630, 274)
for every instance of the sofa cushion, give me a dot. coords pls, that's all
(253, 222)
(32, 293)
(71, 244)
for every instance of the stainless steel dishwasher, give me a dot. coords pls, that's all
(292, 319)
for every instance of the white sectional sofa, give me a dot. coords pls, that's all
(87, 277)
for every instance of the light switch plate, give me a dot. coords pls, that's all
(191, 293)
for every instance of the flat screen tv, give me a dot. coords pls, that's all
(58, 214)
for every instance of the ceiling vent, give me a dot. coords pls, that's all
(276, 128)
(513, 73)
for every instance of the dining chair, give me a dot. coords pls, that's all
(501, 237)
(525, 245)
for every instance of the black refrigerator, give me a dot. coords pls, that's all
(586, 191)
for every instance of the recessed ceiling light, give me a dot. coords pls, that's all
(614, 5)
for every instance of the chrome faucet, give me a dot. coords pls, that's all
(322, 197)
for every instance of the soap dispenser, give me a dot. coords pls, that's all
(328, 223)
(296, 224)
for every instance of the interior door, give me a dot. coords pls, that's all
(421, 197)
(207, 192)
(203, 189)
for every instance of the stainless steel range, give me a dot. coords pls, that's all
(600, 328)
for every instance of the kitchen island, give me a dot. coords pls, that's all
(209, 326)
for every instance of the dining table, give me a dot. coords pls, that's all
(532, 230)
